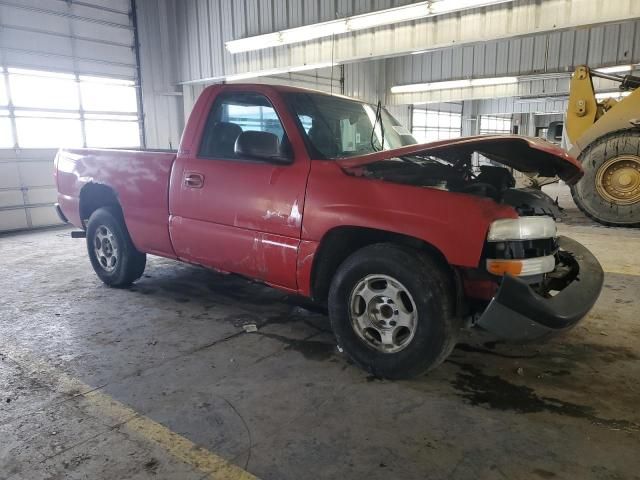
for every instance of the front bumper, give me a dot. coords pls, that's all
(519, 313)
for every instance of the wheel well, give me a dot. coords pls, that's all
(340, 242)
(94, 196)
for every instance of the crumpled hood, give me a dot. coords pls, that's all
(526, 154)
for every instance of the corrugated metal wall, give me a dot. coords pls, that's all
(515, 105)
(615, 44)
(203, 26)
(323, 79)
(93, 37)
(161, 94)
(366, 80)
(195, 32)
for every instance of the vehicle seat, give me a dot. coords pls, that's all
(221, 140)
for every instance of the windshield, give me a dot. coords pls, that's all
(337, 127)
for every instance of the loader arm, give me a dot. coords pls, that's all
(583, 110)
(587, 119)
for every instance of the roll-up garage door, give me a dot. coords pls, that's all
(68, 78)
(27, 190)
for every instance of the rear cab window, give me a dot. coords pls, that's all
(233, 114)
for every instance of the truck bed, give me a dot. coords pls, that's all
(138, 178)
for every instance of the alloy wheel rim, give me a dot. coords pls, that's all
(618, 180)
(106, 248)
(383, 313)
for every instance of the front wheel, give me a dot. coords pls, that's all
(113, 256)
(391, 309)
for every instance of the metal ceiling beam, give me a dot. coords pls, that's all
(555, 84)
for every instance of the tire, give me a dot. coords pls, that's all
(598, 156)
(425, 287)
(113, 256)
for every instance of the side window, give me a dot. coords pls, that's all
(234, 114)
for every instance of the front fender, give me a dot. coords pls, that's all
(454, 223)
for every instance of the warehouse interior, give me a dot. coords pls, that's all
(192, 373)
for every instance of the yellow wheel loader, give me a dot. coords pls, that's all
(605, 137)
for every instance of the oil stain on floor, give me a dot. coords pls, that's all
(494, 392)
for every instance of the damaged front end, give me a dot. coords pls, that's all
(542, 283)
(529, 283)
(522, 311)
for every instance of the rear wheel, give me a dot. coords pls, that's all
(609, 192)
(391, 309)
(111, 251)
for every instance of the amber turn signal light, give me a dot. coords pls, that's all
(523, 267)
(500, 267)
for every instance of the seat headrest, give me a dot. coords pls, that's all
(227, 129)
(257, 144)
(221, 139)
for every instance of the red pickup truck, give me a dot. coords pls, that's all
(331, 198)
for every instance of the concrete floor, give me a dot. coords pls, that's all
(161, 381)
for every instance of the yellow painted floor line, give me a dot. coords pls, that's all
(99, 403)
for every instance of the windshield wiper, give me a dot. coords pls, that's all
(378, 119)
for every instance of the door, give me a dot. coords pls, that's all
(27, 189)
(233, 211)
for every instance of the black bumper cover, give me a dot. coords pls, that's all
(519, 313)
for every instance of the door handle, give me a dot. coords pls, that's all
(193, 180)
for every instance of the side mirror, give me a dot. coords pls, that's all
(263, 146)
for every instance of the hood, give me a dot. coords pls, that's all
(526, 154)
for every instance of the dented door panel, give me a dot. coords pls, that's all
(259, 255)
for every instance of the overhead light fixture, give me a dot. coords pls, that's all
(615, 69)
(451, 84)
(414, 11)
(426, 87)
(483, 82)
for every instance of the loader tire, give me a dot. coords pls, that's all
(609, 192)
